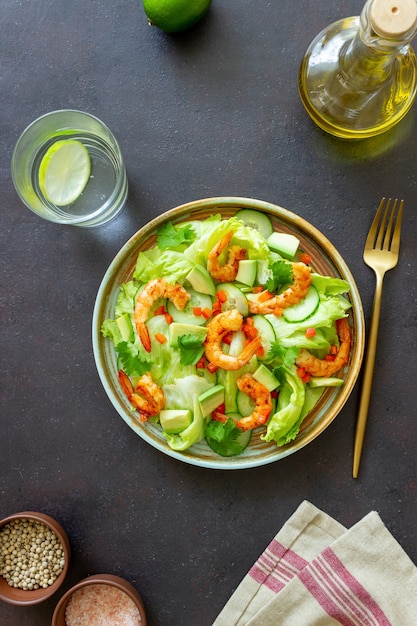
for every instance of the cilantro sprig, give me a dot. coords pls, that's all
(280, 356)
(281, 278)
(131, 363)
(170, 236)
(223, 437)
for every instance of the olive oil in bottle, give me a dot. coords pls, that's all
(358, 77)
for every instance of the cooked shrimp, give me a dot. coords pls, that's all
(217, 328)
(225, 273)
(323, 367)
(155, 289)
(262, 398)
(292, 295)
(147, 397)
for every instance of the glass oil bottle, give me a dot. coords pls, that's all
(358, 77)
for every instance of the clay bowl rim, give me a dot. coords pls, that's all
(22, 597)
(58, 618)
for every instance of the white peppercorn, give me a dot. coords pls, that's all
(31, 555)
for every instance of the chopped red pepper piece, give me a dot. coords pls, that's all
(260, 352)
(219, 417)
(301, 372)
(266, 295)
(160, 338)
(221, 296)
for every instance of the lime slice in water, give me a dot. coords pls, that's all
(64, 171)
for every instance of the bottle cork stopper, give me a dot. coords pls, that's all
(393, 18)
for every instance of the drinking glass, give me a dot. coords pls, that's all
(106, 190)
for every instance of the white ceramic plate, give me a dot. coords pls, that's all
(326, 260)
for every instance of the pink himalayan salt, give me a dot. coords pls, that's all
(101, 605)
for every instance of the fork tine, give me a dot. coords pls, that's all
(382, 230)
(387, 237)
(395, 244)
(374, 229)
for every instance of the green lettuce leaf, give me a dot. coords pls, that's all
(284, 425)
(329, 286)
(183, 394)
(171, 265)
(210, 232)
(126, 298)
(328, 311)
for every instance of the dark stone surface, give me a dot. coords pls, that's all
(213, 111)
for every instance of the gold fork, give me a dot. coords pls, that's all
(381, 254)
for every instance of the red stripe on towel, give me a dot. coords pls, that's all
(277, 566)
(340, 594)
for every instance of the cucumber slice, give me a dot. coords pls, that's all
(246, 273)
(256, 219)
(305, 308)
(235, 299)
(210, 377)
(323, 381)
(266, 333)
(284, 243)
(245, 404)
(186, 316)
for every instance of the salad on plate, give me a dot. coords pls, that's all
(225, 328)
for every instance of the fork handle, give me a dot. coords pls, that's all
(367, 376)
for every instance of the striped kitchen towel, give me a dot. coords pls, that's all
(315, 572)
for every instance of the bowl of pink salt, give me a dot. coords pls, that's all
(102, 599)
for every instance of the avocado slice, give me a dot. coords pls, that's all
(264, 376)
(179, 329)
(124, 324)
(246, 273)
(201, 281)
(284, 243)
(211, 399)
(174, 421)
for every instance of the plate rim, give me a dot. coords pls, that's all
(185, 212)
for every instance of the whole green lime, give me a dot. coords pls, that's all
(172, 16)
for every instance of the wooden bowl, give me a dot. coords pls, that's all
(58, 618)
(24, 597)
